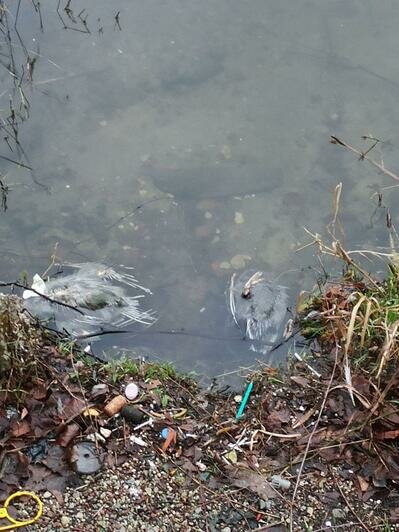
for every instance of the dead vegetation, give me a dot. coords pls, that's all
(309, 450)
(316, 446)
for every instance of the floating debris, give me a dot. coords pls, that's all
(87, 301)
(258, 307)
(239, 218)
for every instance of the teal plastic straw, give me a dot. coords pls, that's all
(244, 400)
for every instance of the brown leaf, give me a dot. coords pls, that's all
(68, 434)
(43, 479)
(363, 483)
(153, 384)
(72, 407)
(301, 381)
(304, 418)
(20, 428)
(40, 391)
(187, 465)
(277, 417)
(252, 481)
(389, 416)
(38, 473)
(55, 460)
(387, 435)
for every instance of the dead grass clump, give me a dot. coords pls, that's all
(20, 345)
(363, 317)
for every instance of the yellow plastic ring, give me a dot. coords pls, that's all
(16, 495)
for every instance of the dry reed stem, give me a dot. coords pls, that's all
(365, 323)
(390, 337)
(363, 156)
(336, 250)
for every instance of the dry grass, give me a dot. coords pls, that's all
(20, 344)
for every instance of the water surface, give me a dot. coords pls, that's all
(214, 118)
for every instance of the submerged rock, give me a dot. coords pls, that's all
(258, 307)
(98, 298)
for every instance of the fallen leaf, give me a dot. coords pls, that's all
(363, 484)
(232, 456)
(301, 381)
(39, 392)
(304, 418)
(153, 384)
(387, 435)
(253, 482)
(20, 428)
(68, 434)
(72, 407)
(55, 460)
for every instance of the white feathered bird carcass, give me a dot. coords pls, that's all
(97, 292)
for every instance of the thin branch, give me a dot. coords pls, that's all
(305, 454)
(364, 156)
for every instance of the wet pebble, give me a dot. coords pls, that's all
(239, 218)
(239, 261)
(132, 414)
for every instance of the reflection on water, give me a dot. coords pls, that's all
(190, 140)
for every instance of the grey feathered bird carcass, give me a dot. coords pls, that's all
(258, 306)
(92, 298)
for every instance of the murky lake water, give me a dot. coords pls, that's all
(215, 117)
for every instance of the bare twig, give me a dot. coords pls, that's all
(305, 454)
(364, 156)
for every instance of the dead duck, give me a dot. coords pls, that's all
(92, 298)
(258, 306)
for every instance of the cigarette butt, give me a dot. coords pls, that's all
(115, 405)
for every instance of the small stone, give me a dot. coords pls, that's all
(239, 261)
(225, 265)
(65, 520)
(226, 529)
(80, 516)
(226, 151)
(239, 218)
(208, 215)
(132, 414)
(105, 432)
(46, 495)
(337, 513)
